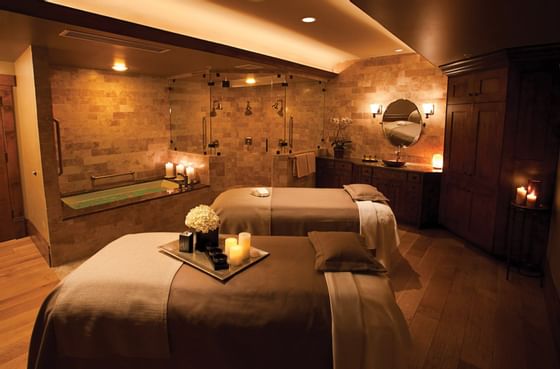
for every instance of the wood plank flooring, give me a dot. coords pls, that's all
(462, 312)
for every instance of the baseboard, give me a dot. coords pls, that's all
(41, 244)
(552, 301)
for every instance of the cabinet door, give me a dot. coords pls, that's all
(460, 141)
(343, 173)
(482, 218)
(489, 85)
(488, 119)
(455, 208)
(325, 173)
(361, 174)
(484, 86)
(459, 90)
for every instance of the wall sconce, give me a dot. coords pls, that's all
(429, 109)
(437, 161)
(376, 109)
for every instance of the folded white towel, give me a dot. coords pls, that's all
(260, 192)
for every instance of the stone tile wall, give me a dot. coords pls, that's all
(110, 123)
(383, 80)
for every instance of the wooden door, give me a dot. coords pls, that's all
(12, 224)
(489, 85)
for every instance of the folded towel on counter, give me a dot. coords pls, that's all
(260, 192)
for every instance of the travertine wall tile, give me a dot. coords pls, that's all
(383, 80)
(109, 124)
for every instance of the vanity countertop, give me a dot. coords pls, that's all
(415, 167)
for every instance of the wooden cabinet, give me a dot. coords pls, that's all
(479, 86)
(499, 133)
(333, 173)
(413, 193)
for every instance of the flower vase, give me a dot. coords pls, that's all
(205, 240)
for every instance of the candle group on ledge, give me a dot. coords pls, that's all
(238, 251)
(185, 170)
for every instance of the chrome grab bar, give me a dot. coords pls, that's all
(57, 143)
(93, 178)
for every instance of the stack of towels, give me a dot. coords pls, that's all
(304, 164)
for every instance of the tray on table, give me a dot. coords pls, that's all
(200, 261)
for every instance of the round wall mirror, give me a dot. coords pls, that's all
(402, 123)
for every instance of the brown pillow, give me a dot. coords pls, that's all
(364, 192)
(342, 252)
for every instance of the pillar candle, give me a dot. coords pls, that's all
(235, 255)
(520, 196)
(531, 200)
(169, 169)
(245, 243)
(180, 169)
(230, 241)
(190, 173)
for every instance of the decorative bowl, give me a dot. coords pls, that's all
(393, 163)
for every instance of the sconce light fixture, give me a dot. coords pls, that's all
(376, 109)
(437, 161)
(250, 80)
(429, 109)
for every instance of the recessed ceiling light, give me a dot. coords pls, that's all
(398, 50)
(120, 67)
(250, 81)
(308, 20)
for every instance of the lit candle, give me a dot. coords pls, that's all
(531, 200)
(235, 255)
(520, 196)
(169, 169)
(190, 173)
(245, 243)
(230, 241)
(437, 161)
(180, 169)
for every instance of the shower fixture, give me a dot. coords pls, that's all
(248, 109)
(279, 107)
(226, 83)
(216, 105)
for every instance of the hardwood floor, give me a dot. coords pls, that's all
(25, 280)
(462, 312)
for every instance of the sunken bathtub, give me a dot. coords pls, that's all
(112, 195)
(91, 220)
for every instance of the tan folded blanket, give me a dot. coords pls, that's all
(119, 293)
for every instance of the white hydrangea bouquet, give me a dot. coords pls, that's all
(202, 218)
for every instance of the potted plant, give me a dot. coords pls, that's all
(339, 141)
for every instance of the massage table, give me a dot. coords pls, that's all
(296, 211)
(131, 306)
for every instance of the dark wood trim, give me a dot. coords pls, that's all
(552, 301)
(39, 241)
(7, 80)
(58, 13)
(502, 58)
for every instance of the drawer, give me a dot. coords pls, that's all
(394, 175)
(414, 177)
(365, 171)
(343, 165)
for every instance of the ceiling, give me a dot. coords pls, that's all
(444, 31)
(267, 35)
(341, 34)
